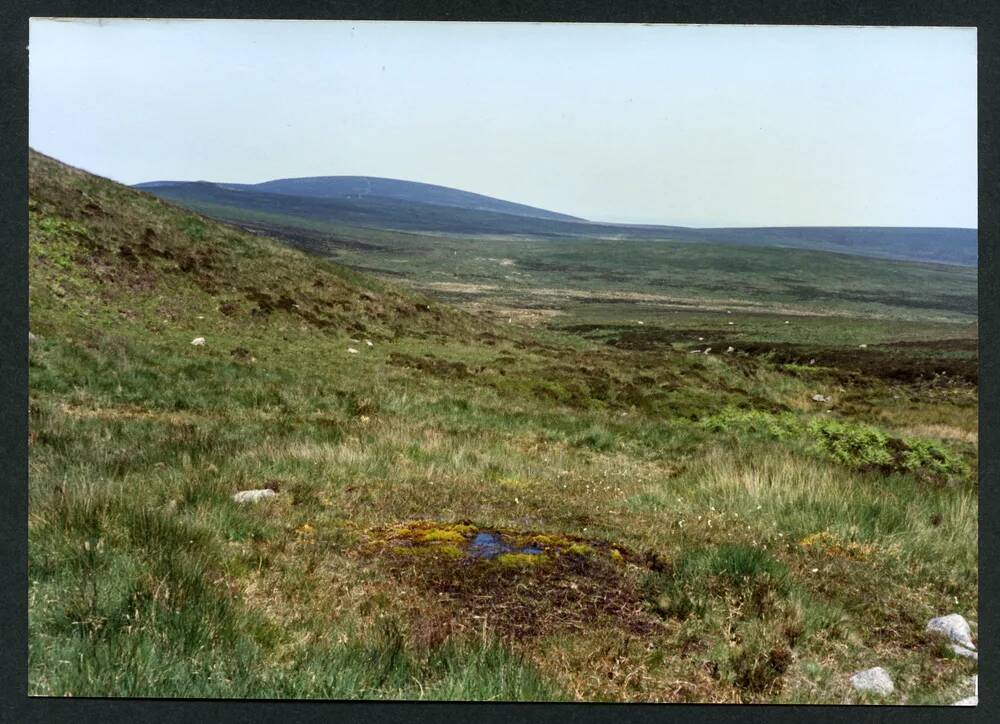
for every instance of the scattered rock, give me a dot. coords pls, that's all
(252, 496)
(32, 338)
(812, 361)
(351, 350)
(820, 398)
(369, 343)
(787, 322)
(707, 350)
(953, 627)
(730, 323)
(970, 701)
(975, 684)
(730, 349)
(198, 341)
(875, 680)
(863, 346)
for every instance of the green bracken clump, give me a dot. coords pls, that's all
(732, 419)
(859, 445)
(854, 445)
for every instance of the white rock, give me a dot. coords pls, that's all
(32, 338)
(198, 341)
(975, 684)
(970, 701)
(252, 496)
(730, 323)
(953, 627)
(820, 398)
(369, 343)
(787, 322)
(707, 350)
(962, 651)
(729, 349)
(875, 680)
(863, 346)
(351, 350)
(701, 339)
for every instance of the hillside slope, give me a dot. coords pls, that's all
(658, 525)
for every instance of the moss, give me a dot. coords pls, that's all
(440, 549)
(422, 531)
(581, 549)
(520, 560)
(830, 544)
(441, 534)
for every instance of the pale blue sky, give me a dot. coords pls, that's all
(692, 125)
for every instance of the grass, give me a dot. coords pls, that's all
(768, 546)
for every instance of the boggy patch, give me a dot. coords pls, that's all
(517, 583)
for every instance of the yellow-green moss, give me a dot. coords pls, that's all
(442, 549)
(440, 534)
(520, 560)
(581, 549)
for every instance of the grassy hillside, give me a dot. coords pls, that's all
(322, 204)
(682, 527)
(568, 275)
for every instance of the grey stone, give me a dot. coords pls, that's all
(875, 680)
(970, 701)
(32, 337)
(962, 651)
(820, 398)
(953, 627)
(252, 496)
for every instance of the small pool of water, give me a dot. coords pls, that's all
(489, 545)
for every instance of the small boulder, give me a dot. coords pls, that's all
(198, 341)
(969, 701)
(707, 350)
(875, 680)
(863, 346)
(953, 627)
(730, 350)
(252, 496)
(351, 350)
(369, 342)
(32, 338)
(820, 398)
(962, 651)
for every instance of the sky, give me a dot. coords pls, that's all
(674, 124)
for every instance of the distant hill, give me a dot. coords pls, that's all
(378, 190)
(408, 206)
